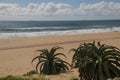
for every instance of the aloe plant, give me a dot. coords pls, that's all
(97, 62)
(49, 62)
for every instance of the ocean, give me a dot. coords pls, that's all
(18, 29)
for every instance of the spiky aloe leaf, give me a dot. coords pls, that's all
(54, 49)
(97, 62)
(59, 55)
(47, 61)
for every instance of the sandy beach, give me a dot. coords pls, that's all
(16, 54)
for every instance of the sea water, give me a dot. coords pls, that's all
(18, 29)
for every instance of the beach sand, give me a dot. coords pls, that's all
(16, 54)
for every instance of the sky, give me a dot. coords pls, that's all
(50, 10)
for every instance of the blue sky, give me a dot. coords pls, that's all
(74, 3)
(59, 9)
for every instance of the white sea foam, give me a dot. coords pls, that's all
(39, 28)
(57, 33)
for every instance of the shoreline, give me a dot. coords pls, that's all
(57, 43)
(65, 39)
(16, 54)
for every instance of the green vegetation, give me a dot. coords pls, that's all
(49, 61)
(97, 62)
(20, 78)
(30, 73)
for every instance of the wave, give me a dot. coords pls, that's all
(57, 33)
(32, 29)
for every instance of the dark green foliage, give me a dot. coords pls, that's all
(12, 78)
(97, 62)
(20, 78)
(49, 63)
(30, 73)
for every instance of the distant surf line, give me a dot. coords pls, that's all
(8, 35)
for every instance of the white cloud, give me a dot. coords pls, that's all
(102, 8)
(60, 9)
(9, 9)
(32, 9)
